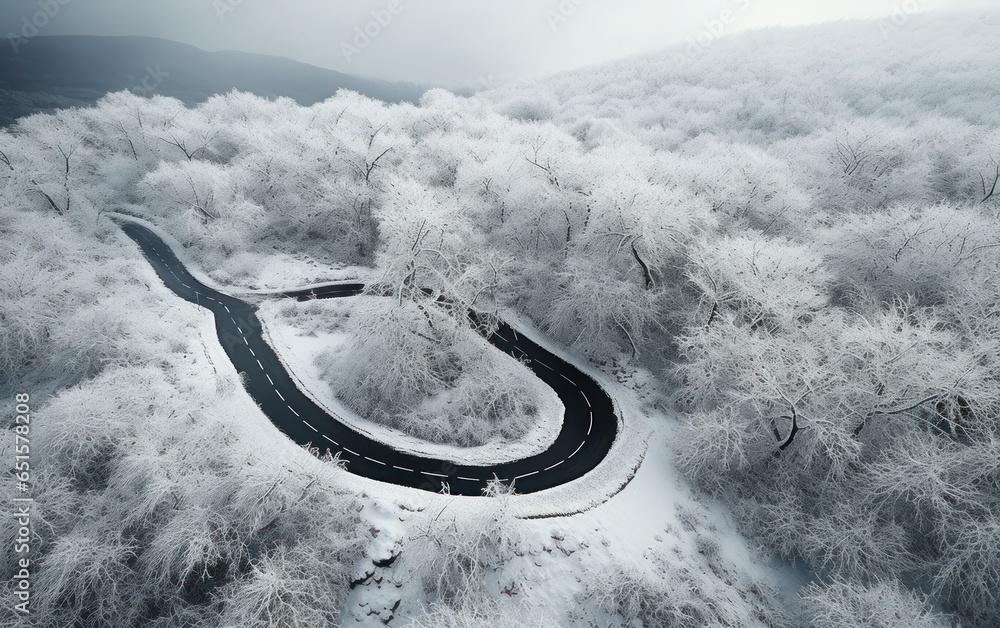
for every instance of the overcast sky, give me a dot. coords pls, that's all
(444, 42)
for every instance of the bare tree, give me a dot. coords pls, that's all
(883, 602)
(184, 146)
(852, 154)
(457, 550)
(128, 139)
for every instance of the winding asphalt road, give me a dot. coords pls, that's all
(589, 427)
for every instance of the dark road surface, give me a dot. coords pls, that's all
(587, 433)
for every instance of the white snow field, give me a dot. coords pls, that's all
(779, 257)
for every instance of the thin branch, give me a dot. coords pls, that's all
(635, 349)
(794, 431)
(908, 408)
(645, 268)
(128, 139)
(851, 156)
(371, 167)
(906, 243)
(878, 412)
(552, 177)
(795, 422)
(711, 317)
(173, 141)
(996, 179)
(52, 203)
(375, 132)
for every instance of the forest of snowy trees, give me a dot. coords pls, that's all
(801, 244)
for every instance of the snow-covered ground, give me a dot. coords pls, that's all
(298, 341)
(258, 272)
(654, 525)
(632, 513)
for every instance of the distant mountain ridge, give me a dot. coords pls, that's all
(48, 73)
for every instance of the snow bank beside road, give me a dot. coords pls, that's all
(301, 332)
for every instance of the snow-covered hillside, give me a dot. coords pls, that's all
(779, 256)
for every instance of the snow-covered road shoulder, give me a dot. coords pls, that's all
(298, 346)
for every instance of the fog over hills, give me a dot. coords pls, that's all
(47, 73)
(777, 253)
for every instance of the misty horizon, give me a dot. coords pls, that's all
(449, 44)
(513, 315)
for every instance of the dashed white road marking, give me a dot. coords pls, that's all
(590, 426)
